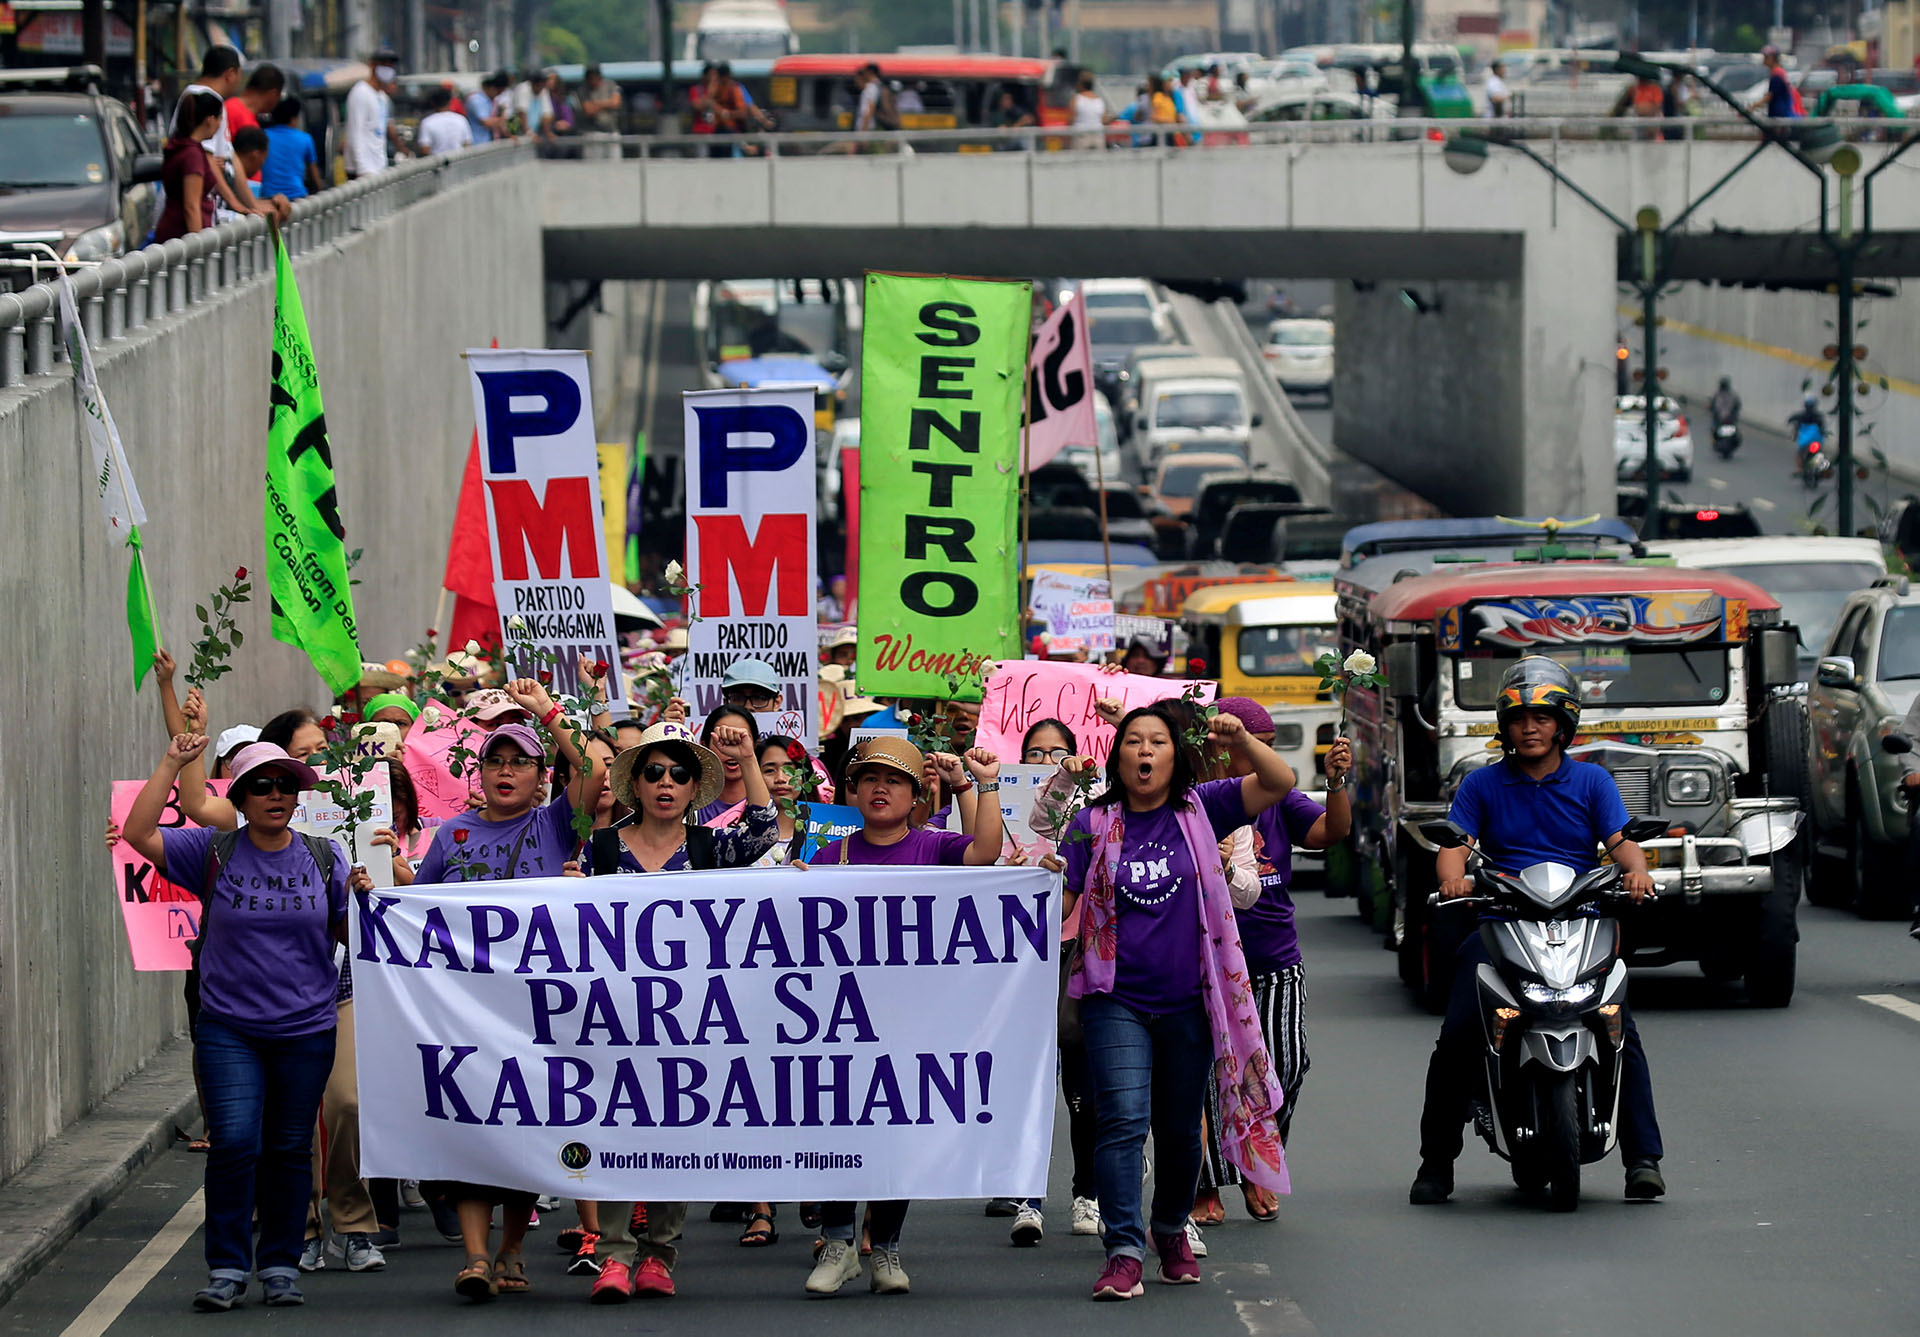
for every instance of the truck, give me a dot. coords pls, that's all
(1679, 672)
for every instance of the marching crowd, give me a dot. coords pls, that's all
(1182, 991)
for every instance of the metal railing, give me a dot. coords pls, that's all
(145, 287)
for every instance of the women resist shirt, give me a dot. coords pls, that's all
(1267, 933)
(537, 843)
(1156, 967)
(266, 963)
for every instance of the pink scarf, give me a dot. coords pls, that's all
(1250, 1097)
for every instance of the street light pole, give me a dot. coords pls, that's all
(1845, 248)
(1647, 221)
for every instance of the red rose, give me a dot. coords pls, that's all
(329, 723)
(350, 719)
(459, 835)
(599, 668)
(240, 574)
(796, 753)
(433, 633)
(915, 719)
(546, 677)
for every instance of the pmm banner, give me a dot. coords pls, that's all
(541, 466)
(943, 363)
(751, 491)
(732, 1035)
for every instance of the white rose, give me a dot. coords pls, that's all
(516, 623)
(473, 647)
(675, 573)
(1360, 662)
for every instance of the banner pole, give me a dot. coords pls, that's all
(1100, 483)
(1020, 583)
(439, 623)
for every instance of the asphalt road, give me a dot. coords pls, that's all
(1792, 1211)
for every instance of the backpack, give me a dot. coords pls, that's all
(886, 115)
(220, 854)
(701, 850)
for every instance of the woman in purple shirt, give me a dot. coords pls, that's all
(274, 904)
(1161, 982)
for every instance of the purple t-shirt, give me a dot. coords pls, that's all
(537, 843)
(924, 846)
(266, 967)
(1267, 934)
(1156, 967)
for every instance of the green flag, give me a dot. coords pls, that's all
(943, 369)
(140, 620)
(306, 555)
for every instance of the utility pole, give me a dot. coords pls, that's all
(1647, 221)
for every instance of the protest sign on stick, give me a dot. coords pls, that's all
(1024, 690)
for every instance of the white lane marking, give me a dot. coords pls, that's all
(113, 1299)
(1717, 484)
(1893, 1002)
(1765, 504)
(1269, 1315)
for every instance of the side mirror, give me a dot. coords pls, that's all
(1255, 420)
(1645, 828)
(1836, 671)
(1400, 664)
(1896, 744)
(1777, 650)
(146, 167)
(1444, 834)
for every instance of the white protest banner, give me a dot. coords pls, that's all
(1078, 610)
(750, 543)
(737, 1035)
(1060, 386)
(320, 815)
(1024, 691)
(1020, 785)
(541, 465)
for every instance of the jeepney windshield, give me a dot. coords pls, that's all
(1273, 652)
(1609, 675)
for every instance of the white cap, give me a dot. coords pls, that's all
(236, 737)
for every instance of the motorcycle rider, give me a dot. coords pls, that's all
(1725, 404)
(1809, 416)
(1535, 805)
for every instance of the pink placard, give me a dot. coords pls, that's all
(1024, 691)
(162, 919)
(1060, 386)
(426, 753)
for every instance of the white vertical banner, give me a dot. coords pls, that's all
(751, 495)
(541, 467)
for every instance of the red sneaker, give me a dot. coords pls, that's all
(637, 1221)
(1177, 1264)
(611, 1287)
(1119, 1280)
(653, 1280)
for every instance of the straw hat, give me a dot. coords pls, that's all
(889, 751)
(678, 739)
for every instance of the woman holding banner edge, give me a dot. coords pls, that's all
(1162, 982)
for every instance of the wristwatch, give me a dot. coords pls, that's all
(1334, 786)
(988, 786)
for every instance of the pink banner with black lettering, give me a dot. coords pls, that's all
(162, 919)
(1023, 692)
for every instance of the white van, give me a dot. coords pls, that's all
(1203, 413)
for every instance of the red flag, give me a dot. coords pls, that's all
(470, 561)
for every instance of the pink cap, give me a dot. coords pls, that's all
(255, 755)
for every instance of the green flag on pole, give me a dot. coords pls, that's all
(140, 619)
(306, 553)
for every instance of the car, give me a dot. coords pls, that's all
(1811, 575)
(1177, 480)
(1686, 519)
(1864, 688)
(1219, 494)
(1299, 353)
(76, 179)
(1630, 439)
(1134, 518)
(1105, 464)
(1113, 297)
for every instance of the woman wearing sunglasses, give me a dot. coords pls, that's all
(274, 906)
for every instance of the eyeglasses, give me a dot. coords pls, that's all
(518, 762)
(753, 698)
(654, 770)
(259, 786)
(1036, 755)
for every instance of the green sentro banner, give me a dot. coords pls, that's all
(942, 369)
(306, 552)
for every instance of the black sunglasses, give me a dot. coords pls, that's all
(655, 769)
(259, 786)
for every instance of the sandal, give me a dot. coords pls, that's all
(200, 1144)
(510, 1274)
(475, 1280)
(760, 1231)
(810, 1215)
(1258, 1207)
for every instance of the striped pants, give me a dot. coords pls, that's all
(1281, 1000)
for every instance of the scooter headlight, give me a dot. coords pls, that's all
(1578, 994)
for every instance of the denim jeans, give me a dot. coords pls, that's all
(837, 1222)
(263, 1096)
(1146, 1071)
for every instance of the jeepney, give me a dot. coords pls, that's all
(1261, 641)
(1675, 668)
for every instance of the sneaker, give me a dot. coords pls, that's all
(385, 1238)
(546, 1203)
(283, 1291)
(1195, 1240)
(446, 1220)
(613, 1286)
(889, 1278)
(1003, 1207)
(313, 1255)
(1119, 1280)
(410, 1195)
(1177, 1266)
(533, 1218)
(1644, 1180)
(1086, 1216)
(637, 1221)
(1027, 1227)
(1432, 1186)
(568, 1240)
(360, 1253)
(837, 1265)
(586, 1256)
(219, 1295)
(653, 1281)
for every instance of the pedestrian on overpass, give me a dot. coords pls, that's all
(264, 1043)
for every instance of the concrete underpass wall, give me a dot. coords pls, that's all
(390, 310)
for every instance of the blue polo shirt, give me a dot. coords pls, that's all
(1520, 821)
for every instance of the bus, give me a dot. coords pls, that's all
(736, 30)
(818, 92)
(641, 87)
(789, 330)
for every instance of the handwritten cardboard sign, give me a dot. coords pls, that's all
(162, 919)
(428, 756)
(1023, 692)
(1078, 611)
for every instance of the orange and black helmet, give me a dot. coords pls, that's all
(1539, 683)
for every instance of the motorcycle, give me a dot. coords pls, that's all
(1551, 1011)
(1726, 439)
(1816, 466)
